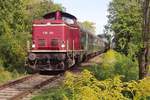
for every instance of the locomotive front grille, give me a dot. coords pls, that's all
(54, 42)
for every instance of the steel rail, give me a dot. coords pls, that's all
(36, 87)
(20, 88)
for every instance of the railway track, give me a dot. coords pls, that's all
(20, 88)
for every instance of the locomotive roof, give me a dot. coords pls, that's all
(52, 14)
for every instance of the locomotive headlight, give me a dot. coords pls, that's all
(63, 45)
(33, 45)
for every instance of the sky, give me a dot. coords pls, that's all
(90, 10)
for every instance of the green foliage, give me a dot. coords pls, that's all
(37, 9)
(88, 25)
(12, 52)
(13, 22)
(13, 16)
(51, 94)
(6, 75)
(85, 86)
(125, 23)
(114, 63)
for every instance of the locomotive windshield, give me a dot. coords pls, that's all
(66, 17)
(68, 20)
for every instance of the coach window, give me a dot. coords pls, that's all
(68, 20)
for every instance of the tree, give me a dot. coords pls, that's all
(125, 23)
(129, 20)
(144, 52)
(13, 13)
(90, 26)
(36, 9)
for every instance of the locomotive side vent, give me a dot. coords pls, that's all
(41, 42)
(54, 42)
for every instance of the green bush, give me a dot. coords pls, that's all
(52, 94)
(113, 64)
(12, 52)
(85, 86)
(8, 60)
(6, 75)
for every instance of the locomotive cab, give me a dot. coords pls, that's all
(49, 33)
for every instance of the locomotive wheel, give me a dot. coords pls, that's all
(30, 70)
(84, 58)
(77, 59)
(62, 65)
(69, 63)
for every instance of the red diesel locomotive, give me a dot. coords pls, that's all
(58, 42)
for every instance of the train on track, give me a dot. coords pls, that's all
(59, 41)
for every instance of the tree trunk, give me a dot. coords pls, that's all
(144, 53)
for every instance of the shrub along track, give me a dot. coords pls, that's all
(20, 88)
